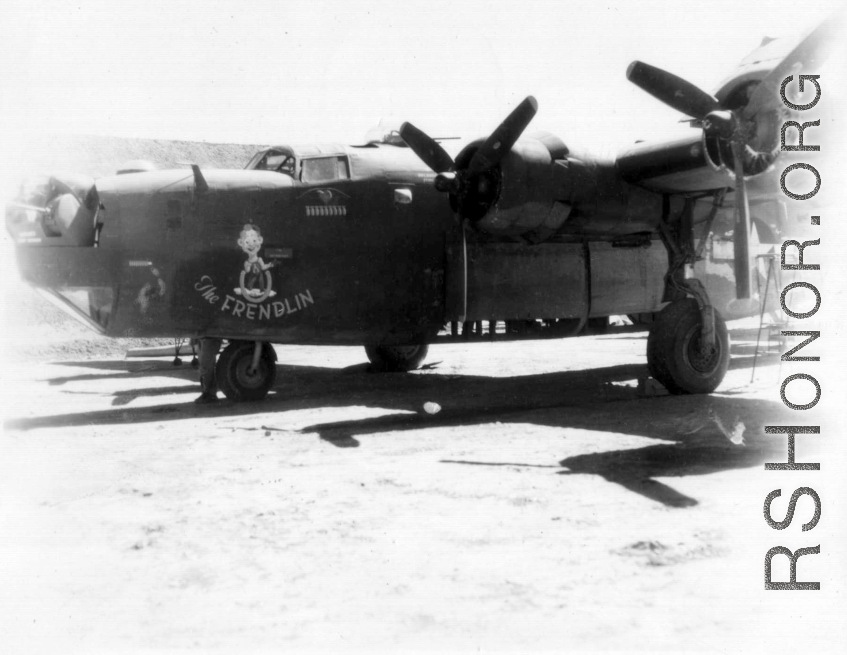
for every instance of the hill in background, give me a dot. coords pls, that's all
(103, 155)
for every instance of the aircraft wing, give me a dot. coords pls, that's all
(741, 122)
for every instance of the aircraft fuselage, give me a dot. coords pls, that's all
(374, 254)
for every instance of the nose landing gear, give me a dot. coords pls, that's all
(246, 370)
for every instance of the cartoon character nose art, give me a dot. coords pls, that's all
(255, 283)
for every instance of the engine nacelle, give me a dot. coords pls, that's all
(516, 197)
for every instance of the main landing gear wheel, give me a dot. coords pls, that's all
(674, 354)
(397, 359)
(237, 377)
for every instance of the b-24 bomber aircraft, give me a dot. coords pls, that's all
(385, 243)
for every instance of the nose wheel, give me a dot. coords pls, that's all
(243, 374)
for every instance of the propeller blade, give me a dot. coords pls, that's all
(504, 137)
(427, 148)
(464, 314)
(741, 235)
(672, 90)
(808, 55)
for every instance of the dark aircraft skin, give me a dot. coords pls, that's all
(349, 263)
(384, 244)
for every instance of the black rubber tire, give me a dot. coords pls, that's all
(233, 371)
(397, 359)
(598, 325)
(673, 353)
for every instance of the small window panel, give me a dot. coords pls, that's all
(273, 160)
(324, 169)
(281, 164)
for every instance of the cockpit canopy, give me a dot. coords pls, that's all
(273, 159)
(312, 164)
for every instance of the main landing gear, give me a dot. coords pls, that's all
(679, 352)
(688, 345)
(246, 370)
(397, 359)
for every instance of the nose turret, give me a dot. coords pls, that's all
(54, 211)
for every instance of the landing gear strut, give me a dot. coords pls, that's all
(688, 345)
(246, 370)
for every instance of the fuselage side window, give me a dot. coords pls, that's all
(343, 169)
(324, 169)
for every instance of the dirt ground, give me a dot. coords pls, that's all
(547, 505)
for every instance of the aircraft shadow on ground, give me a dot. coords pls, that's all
(638, 469)
(697, 444)
(305, 387)
(602, 400)
(123, 369)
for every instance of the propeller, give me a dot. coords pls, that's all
(428, 149)
(503, 138)
(741, 234)
(736, 128)
(717, 122)
(672, 90)
(470, 184)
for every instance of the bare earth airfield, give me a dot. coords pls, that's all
(545, 504)
(549, 503)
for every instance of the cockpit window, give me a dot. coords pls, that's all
(324, 169)
(281, 164)
(272, 160)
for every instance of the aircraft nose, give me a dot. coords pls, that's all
(54, 211)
